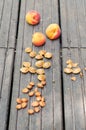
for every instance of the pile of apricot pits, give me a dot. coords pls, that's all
(53, 31)
(74, 69)
(33, 89)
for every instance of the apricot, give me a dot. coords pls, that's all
(38, 39)
(53, 31)
(33, 17)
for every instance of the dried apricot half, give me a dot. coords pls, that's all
(18, 100)
(28, 50)
(18, 106)
(42, 104)
(42, 52)
(39, 63)
(25, 90)
(26, 64)
(36, 109)
(40, 85)
(40, 71)
(35, 103)
(39, 57)
(31, 93)
(68, 70)
(24, 105)
(47, 65)
(76, 70)
(24, 70)
(24, 100)
(48, 55)
(32, 70)
(30, 111)
(32, 54)
(41, 77)
(73, 78)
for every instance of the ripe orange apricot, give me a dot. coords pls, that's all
(33, 17)
(53, 31)
(38, 39)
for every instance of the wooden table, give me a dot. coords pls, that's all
(65, 99)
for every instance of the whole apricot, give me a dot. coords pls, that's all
(33, 17)
(53, 31)
(38, 39)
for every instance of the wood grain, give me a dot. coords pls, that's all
(53, 110)
(5, 88)
(73, 94)
(73, 23)
(8, 22)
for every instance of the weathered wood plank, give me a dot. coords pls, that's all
(5, 23)
(24, 40)
(8, 23)
(48, 123)
(36, 119)
(15, 122)
(73, 94)
(13, 24)
(57, 92)
(28, 30)
(24, 37)
(73, 19)
(6, 87)
(1, 9)
(21, 120)
(83, 65)
(52, 93)
(2, 60)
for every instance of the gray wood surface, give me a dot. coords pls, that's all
(72, 14)
(8, 22)
(51, 116)
(2, 64)
(74, 92)
(13, 24)
(73, 19)
(1, 10)
(8, 26)
(37, 118)
(7, 64)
